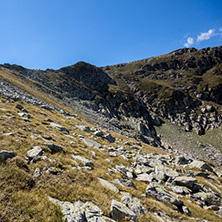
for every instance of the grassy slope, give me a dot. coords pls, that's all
(188, 142)
(24, 198)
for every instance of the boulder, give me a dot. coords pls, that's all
(60, 128)
(98, 133)
(185, 181)
(125, 182)
(46, 137)
(112, 154)
(108, 185)
(160, 193)
(19, 106)
(80, 212)
(200, 164)
(124, 170)
(110, 138)
(142, 159)
(140, 168)
(91, 143)
(134, 205)
(181, 160)
(180, 190)
(35, 151)
(145, 177)
(163, 173)
(53, 147)
(186, 210)
(83, 128)
(24, 114)
(37, 173)
(208, 198)
(83, 160)
(5, 154)
(120, 211)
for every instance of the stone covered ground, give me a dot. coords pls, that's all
(55, 166)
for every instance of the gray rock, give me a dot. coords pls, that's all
(53, 170)
(125, 182)
(34, 137)
(37, 173)
(180, 190)
(186, 210)
(163, 173)
(108, 185)
(35, 151)
(36, 159)
(5, 154)
(145, 177)
(129, 175)
(145, 130)
(209, 108)
(112, 154)
(53, 147)
(120, 211)
(208, 198)
(24, 114)
(134, 205)
(19, 106)
(83, 160)
(71, 212)
(9, 134)
(83, 128)
(135, 147)
(185, 181)
(200, 164)
(219, 212)
(91, 143)
(57, 126)
(98, 133)
(27, 120)
(181, 160)
(212, 207)
(121, 149)
(160, 193)
(110, 138)
(46, 137)
(127, 171)
(81, 212)
(140, 168)
(143, 159)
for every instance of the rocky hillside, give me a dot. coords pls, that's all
(117, 143)
(55, 166)
(184, 86)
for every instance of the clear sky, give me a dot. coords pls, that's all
(44, 34)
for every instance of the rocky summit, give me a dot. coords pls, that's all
(138, 141)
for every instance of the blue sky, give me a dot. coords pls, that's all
(44, 34)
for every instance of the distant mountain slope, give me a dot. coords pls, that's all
(184, 86)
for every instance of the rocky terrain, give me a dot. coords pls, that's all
(117, 143)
